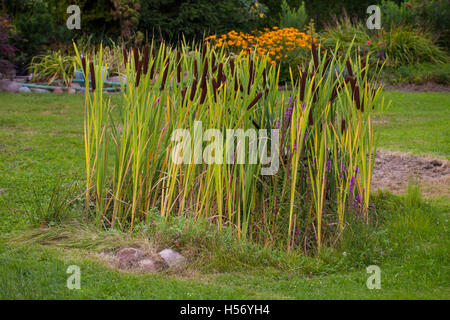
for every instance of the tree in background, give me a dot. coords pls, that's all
(296, 18)
(6, 49)
(192, 18)
(127, 13)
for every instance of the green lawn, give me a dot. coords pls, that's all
(40, 273)
(41, 144)
(418, 123)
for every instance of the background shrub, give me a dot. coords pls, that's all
(41, 28)
(7, 53)
(296, 18)
(429, 15)
(404, 45)
(37, 30)
(418, 74)
(170, 18)
(401, 45)
(52, 67)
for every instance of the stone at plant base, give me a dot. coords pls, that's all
(127, 257)
(117, 79)
(57, 90)
(39, 90)
(71, 90)
(75, 85)
(9, 86)
(171, 257)
(21, 79)
(24, 89)
(147, 264)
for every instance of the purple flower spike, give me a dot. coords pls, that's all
(352, 184)
(328, 166)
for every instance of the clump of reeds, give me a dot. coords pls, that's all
(326, 153)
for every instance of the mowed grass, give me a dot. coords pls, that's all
(40, 139)
(40, 273)
(418, 123)
(41, 143)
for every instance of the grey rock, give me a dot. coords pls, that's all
(24, 89)
(128, 257)
(57, 90)
(171, 257)
(147, 264)
(21, 79)
(75, 85)
(117, 79)
(9, 86)
(71, 90)
(38, 90)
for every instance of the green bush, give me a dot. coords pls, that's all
(36, 29)
(399, 46)
(7, 53)
(430, 15)
(405, 45)
(322, 10)
(418, 74)
(344, 32)
(170, 19)
(53, 66)
(394, 15)
(293, 18)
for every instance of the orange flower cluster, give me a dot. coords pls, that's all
(276, 43)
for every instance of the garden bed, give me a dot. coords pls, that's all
(393, 170)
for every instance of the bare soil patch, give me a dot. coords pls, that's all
(393, 171)
(426, 87)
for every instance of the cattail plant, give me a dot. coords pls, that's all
(323, 127)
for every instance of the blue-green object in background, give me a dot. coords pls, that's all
(79, 76)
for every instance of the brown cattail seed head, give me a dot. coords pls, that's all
(342, 126)
(138, 74)
(232, 65)
(349, 68)
(183, 95)
(255, 101)
(178, 66)
(163, 83)
(146, 58)
(195, 69)
(302, 86)
(136, 57)
(125, 56)
(83, 63)
(193, 89)
(356, 97)
(92, 73)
